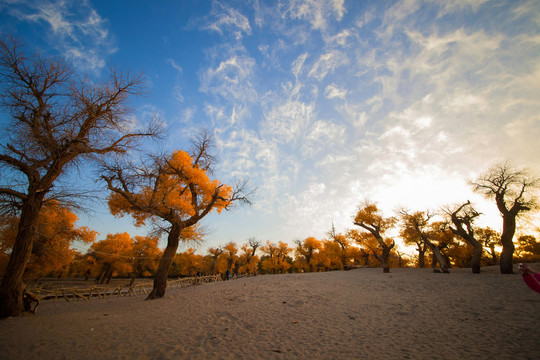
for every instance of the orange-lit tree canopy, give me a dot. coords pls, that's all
(113, 256)
(173, 192)
(179, 191)
(145, 255)
(55, 232)
(276, 258)
(431, 233)
(248, 259)
(370, 218)
(306, 253)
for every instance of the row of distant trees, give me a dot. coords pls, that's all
(125, 256)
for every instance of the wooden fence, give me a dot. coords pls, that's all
(101, 292)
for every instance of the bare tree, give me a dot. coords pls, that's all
(513, 191)
(463, 220)
(174, 190)
(55, 120)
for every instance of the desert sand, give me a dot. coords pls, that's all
(357, 314)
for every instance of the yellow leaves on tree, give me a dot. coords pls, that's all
(145, 254)
(174, 192)
(187, 263)
(308, 254)
(55, 232)
(275, 259)
(180, 186)
(228, 258)
(369, 214)
(113, 256)
(119, 255)
(370, 218)
(248, 259)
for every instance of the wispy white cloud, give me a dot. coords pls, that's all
(177, 94)
(355, 113)
(226, 19)
(188, 114)
(323, 136)
(327, 63)
(231, 76)
(79, 33)
(339, 39)
(316, 12)
(333, 91)
(175, 66)
(288, 121)
(298, 64)
(449, 7)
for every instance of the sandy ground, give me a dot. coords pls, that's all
(357, 314)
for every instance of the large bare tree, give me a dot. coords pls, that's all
(54, 119)
(513, 190)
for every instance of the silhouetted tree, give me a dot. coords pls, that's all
(489, 239)
(463, 220)
(513, 191)
(419, 222)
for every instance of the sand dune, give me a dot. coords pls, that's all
(359, 314)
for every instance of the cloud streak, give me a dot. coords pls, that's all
(79, 33)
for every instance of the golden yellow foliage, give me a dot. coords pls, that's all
(276, 258)
(146, 255)
(113, 256)
(55, 232)
(369, 214)
(180, 186)
(187, 263)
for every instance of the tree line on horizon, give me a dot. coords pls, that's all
(59, 122)
(120, 255)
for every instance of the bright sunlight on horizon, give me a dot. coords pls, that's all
(320, 104)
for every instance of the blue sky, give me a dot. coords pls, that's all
(320, 103)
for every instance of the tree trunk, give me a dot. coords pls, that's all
(160, 279)
(476, 258)
(437, 255)
(310, 265)
(109, 275)
(12, 287)
(507, 254)
(421, 257)
(100, 277)
(493, 255)
(385, 258)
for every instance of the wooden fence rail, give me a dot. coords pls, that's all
(101, 292)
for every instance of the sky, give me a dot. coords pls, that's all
(321, 104)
